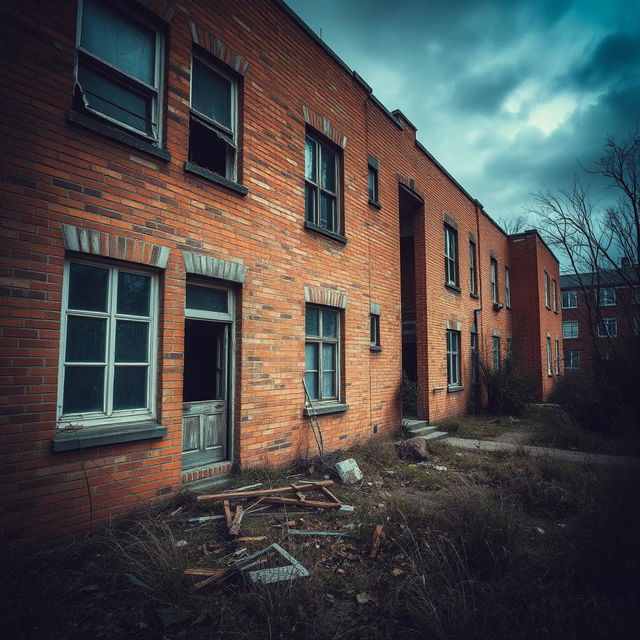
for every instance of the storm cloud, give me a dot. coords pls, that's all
(508, 94)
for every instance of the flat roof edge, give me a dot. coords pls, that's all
(529, 232)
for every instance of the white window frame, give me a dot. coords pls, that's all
(554, 294)
(571, 360)
(230, 136)
(546, 289)
(557, 363)
(453, 350)
(605, 326)
(109, 416)
(109, 71)
(568, 332)
(494, 280)
(507, 287)
(549, 358)
(571, 299)
(450, 256)
(607, 297)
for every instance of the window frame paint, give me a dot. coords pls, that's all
(318, 188)
(320, 340)
(374, 330)
(473, 268)
(454, 368)
(106, 417)
(570, 323)
(556, 370)
(451, 256)
(136, 85)
(549, 358)
(571, 295)
(546, 290)
(494, 280)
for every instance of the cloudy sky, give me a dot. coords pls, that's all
(507, 94)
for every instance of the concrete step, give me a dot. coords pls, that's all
(421, 431)
(436, 435)
(411, 424)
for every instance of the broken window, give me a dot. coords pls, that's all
(213, 126)
(322, 353)
(118, 67)
(108, 328)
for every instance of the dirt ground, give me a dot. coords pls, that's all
(474, 545)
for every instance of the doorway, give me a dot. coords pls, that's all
(207, 383)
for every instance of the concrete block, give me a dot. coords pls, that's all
(349, 471)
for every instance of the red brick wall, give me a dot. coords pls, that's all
(55, 172)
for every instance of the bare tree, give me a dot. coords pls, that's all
(514, 224)
(597, 238)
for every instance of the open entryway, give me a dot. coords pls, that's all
(207, 389)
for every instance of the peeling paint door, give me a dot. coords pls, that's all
(206, 386)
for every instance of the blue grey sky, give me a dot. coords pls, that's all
(507, 94)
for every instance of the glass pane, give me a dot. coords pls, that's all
(83, 389)
(327, 208)
(86, 339)
(130, 388)
(312, 321)
(119, 40)
(311, 380)
(116, 100)
(311, 356)
(207, 299)
(310, 202)
(133, 294)
(328, 357)
(329, 385)
(211, 94)
(330, 324)
(372, 185)
(328, 169)
(310, 172)
(132, 339)
(88, 287)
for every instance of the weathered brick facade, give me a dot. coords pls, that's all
(78, 187)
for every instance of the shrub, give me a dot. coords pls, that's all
(507, 392)
(408, 394)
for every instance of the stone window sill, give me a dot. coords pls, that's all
(114, 434)
(375, 204)
(115, 133)
(323, 409)
(376, 347)
(453, 287)
(454, 388)
(475, 296)
(325, 232)
(214, 177)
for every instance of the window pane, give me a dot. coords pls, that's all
(133, 294)
(372, 185)
(311, 379)
(312, 321)
(83, 389)
(130, 388)
(329, 384)
(88, 287)
(310, 202)
(132, 340)
(328, 357)
(207, 299)
(116, 100)
(128, 45)
(311, 356)
(86, 339)
(211, 94)
(310, 172)
(327, 211)
(328, 169)
(329, 324)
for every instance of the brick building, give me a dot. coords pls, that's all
(600, 313)
(201, 209)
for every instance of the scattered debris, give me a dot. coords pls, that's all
(250, 539)
(172, 616)
(337, 534)
(376, 541)
(349, 471)
(249, 486)
(365, 598)
(227, 513)
(397, 571)
(234, 529)
(175, 512)
(263, 492)
(414, 449)
(181, 543)
(439, 467)
(274, 574)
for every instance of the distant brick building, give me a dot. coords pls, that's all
(201, 208)
(600, 313)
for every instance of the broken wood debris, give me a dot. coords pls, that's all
(227, 513)
(376, 541)
(263, 492)
(337, 534)
(234, 529)
(175, 512)
(303, 503)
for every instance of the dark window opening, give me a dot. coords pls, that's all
(203, 361)
(208, 149)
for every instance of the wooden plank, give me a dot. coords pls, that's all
(302, 503)
(330, 495)
(227, 513)
(222, 574)
(204, 572)
(251, 539)
(263, 492)
(376, 541)
(234, 529)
